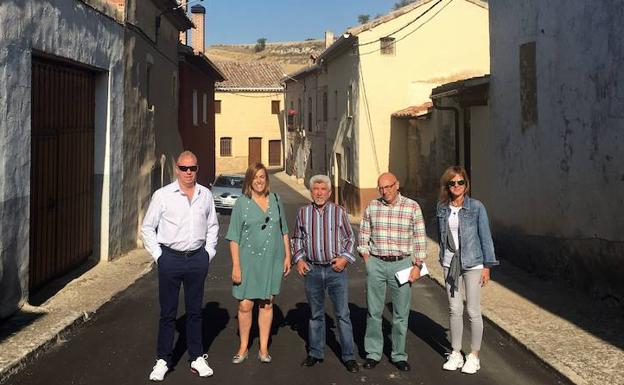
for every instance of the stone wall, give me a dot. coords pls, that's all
(555, 187)
(76, 31)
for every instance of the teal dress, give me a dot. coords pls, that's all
(259, 236)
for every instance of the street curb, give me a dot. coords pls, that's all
(436, 276)
(560, 371)
(65, 327)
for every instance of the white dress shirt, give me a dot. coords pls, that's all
(173, 221)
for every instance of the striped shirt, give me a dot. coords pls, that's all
(322, 234)
(393, 230)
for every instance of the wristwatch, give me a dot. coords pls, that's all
(418, 265)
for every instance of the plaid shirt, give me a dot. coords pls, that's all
(393, 230)
(321, 235)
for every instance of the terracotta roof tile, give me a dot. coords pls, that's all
(413, 111)
(250, 75)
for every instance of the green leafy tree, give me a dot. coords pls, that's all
(363, 19)
(260, 44)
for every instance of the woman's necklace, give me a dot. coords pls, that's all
(458, 202)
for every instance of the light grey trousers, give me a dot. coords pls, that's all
(469, 285)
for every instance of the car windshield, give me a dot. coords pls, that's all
(229, 181)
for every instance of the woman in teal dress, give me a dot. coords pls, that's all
(259, 245)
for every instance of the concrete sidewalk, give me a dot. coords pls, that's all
(577, 337)
(33, 329)
(569, 332)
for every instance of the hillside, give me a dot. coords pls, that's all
(291, 55)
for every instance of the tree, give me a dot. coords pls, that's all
(260, 44)
(363, 19)
(402, 3)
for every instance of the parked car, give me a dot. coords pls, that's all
(226, 189)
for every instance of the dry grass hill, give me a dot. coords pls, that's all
(291, 55)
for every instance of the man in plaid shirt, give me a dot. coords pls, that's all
(392, 238)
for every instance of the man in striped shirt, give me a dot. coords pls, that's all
(322, 246)
(392, 238)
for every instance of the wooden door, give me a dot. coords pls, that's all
(255, 151)
(275, 152)
(62, 156)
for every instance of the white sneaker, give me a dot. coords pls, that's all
(454, 361)
(472, 364)
(200, 366)
(159, 370)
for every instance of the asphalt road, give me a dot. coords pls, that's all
(118, 345)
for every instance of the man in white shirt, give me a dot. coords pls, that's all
(180, 232)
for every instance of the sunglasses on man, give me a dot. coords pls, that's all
(186, 168)
(452, 183)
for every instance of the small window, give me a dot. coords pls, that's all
(300, 113)
(387, 45)
(310, 114)
(350, 101)
(348, 171)
(217, 106)
(148, 81)
(275, 107)
(225, 147)
(324, 106)
(205, 109)
(194, 107)
(335, 104)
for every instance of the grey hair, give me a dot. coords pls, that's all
(320, 178)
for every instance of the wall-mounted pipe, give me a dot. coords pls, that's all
(437, 106)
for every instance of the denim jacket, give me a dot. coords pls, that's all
(475, 240)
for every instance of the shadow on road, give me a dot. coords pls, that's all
(429, 331)
(215, 319)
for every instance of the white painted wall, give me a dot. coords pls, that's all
(561, 180)
(74, 30)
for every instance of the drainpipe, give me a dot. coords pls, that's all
(437, 106)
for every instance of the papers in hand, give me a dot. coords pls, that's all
(402, 276)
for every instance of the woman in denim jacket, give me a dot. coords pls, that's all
(466, 254)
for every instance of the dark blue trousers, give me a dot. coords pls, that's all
(173, 271)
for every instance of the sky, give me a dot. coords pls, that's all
(245, 21)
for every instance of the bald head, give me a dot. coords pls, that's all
(386, 177)
(184, 155)
(388, 186)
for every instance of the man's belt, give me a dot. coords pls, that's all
(390, 258)
(318, 263)
(181, 253)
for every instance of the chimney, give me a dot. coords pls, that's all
(184, 35)
(329, 38)
(198, 15)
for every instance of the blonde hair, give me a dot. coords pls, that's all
(250, 174)
(449, 174)
(186, 154)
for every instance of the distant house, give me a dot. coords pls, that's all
(249, 116)
(346, 100)
(196, 115)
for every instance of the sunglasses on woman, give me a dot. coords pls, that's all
(266, 220)
(452, 183)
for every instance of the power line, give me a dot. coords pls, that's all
(411, 32)
(403, 27)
